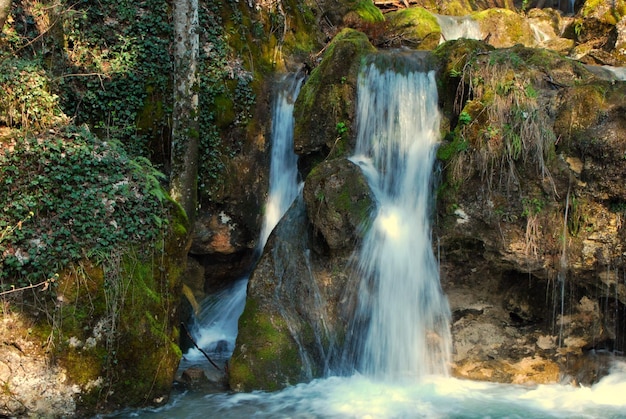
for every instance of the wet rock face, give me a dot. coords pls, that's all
(338, 202)
(529, 259)
(328, 98)
(222, 251)
(292, 324)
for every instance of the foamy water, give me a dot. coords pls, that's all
(433, 397)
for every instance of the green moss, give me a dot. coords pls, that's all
(612, 14)
(329, 96)
(416, 26)
(458, 8)
(581, 108)
(453, 145)
(270, 359)
(368, 11)
(506, 27)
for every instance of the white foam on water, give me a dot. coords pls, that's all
(359, 396)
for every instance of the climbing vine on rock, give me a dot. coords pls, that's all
(66, 196)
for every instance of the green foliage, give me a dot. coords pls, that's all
(464, 118)
(525, 5)
(119, 60)
(27, 100)
(531, 92)
(506, 57)
(532, 206)
(457, 145)
(221, 83)
(108, 64)
(579, 28)
(577, 217)
(342, 129)
(72, 196)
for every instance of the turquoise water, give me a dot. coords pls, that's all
(432, 397)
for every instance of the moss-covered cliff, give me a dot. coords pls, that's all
(93, 252)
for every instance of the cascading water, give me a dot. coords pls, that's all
(215, 327)
(284, 185)
(402, 323)
(456, 27)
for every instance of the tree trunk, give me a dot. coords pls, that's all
(185, 131)
(5, 8)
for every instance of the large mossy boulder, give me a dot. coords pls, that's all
(350, 12)
(297, 309)
(326, 104)
(598, 28)
(504, 27)
(104, 248)
(294, 319)
(415, 27)
(338, 202)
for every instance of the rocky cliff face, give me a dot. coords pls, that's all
(529, 210)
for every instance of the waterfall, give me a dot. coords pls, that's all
(455, 27)
(540, 36)
(284, 185)
(402, 319)
(216, 326)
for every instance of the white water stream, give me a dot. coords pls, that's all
(456, 27)
(403, 352)
(403, 316)
(215, 327)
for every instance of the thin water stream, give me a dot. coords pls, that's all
(456, 27)
(399, 356)
(214, 329)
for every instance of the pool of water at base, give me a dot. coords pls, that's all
(432, 397)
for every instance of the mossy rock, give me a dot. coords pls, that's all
(351, 13)
(580, 109)
(364, 11)
(606, 11)
(293, 319)
(328, 98)
(305, 39)
(269, 359)
(455, 54)
(504, 27)
(416, 27)
(338, 201)
(117, 337)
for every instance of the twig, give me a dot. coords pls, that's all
(197, 347)
(45, 285)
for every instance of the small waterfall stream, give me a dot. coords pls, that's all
(284, 184)
(215, 328)
(403, 312)
(456, 27)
